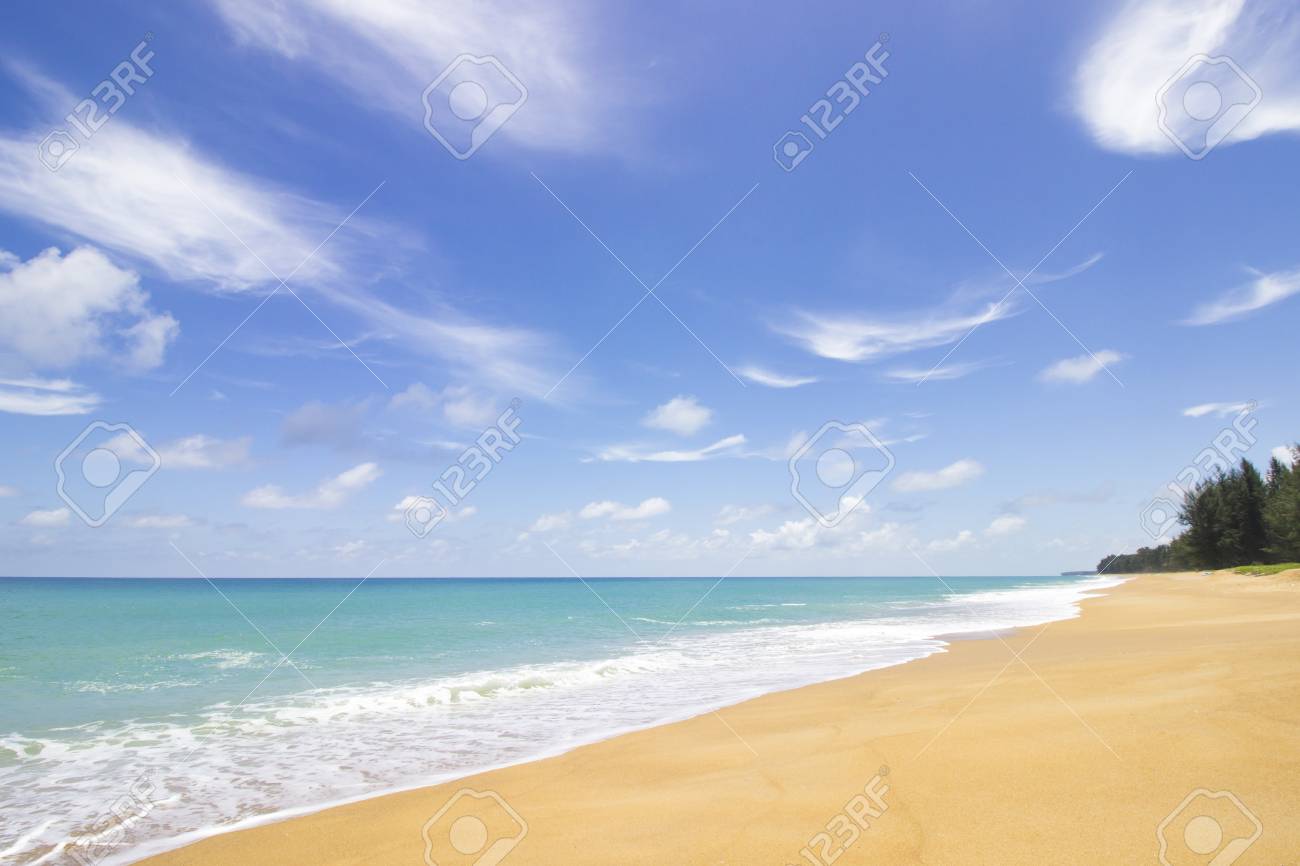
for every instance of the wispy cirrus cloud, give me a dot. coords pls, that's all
(726, 447)
(1263, 291)
(852, 338)
(36, 396)
(1220, 409)
(763, 376)
(147, 194)
(858, 338)
(214, 226)
(386, 52)
(1144, 43)
(913, 375)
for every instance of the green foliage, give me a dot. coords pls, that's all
(1282, 510)
(1232, 518)
(1276, 568)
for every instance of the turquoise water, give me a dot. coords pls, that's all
(397, 683)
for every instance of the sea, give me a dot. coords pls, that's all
(139, 715)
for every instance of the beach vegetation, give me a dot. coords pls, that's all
(1233, 518)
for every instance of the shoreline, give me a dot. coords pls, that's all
(351, 826)
(936, 642)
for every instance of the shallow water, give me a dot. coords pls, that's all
(175, 688)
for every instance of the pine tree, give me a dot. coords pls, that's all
(1249, 512)
(1237, 518)
(1202, 514)
(1282, 511)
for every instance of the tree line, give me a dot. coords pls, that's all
(1234, 518)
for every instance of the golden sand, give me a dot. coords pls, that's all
(1071, 743)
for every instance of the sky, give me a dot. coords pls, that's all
(835, 290)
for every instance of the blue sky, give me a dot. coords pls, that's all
(293, 423)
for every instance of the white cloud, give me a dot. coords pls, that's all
(57, 311)
(6, 490)
(1262, 291)
(158, 521)
(387, 51)
(349, 549)
(940, 373)
(965, 538)
(149, 339)
(730, 514)
(852, 337)
(1005, 524)
(160, 199)
(952, 475)
(761, 376)
(466, 408)
(635, 454)
(35, 396)
(1284, 455)
(1080, 369)
(652, 507)
(661, 544)
(328, 494)
(552, 522)
(850, 537)
(681, 415)
(205, 452)
(45, 519)
(148, 195)
(416, 396)
(848, 338)
(198, 451)
(398, 513)
(1221, 409)
(459, 405)
(1147, 42)
(790, 535)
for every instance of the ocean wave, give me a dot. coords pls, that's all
(231, 762)
(226, 659)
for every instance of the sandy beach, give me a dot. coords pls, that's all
(1067, 743)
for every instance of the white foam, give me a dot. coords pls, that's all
(234, 764)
